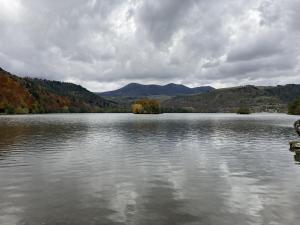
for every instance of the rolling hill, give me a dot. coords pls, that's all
(31, 95)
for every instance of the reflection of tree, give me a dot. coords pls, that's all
(294, 147)
(297, 157)
(17, 135)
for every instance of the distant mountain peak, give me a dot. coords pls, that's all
(132, 84)
(174, 85)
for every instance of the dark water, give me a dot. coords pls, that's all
(162, 169)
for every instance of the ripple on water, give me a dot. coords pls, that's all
(164, 169)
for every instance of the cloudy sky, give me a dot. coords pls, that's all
(104, 44)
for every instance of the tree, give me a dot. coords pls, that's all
(137, 108)
(146, 106)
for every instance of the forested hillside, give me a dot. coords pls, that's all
(27, 95)
(257, 99)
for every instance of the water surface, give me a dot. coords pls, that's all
(82, 169)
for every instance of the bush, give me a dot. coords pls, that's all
(294, 107)
(10, 110)
(243, 110)
(22, 110)
(65, 109)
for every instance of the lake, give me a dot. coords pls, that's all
(168, 169)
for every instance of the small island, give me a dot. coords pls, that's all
(146, 106)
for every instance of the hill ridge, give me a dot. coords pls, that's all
(257, 98)
(35, 95)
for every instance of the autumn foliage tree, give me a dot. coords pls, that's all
(14, 97)
(146, 106)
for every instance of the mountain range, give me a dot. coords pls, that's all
(139, 90)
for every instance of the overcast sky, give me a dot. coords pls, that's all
(104, 44)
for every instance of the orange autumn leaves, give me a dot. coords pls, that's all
(146, 106)
(14, 97)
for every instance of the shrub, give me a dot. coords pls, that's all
(243, 110)
(294, 107)
(9, 110)
(65, 109)
(22, 110)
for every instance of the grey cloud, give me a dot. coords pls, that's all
(108, 43)
(260, 46)
(295, 16)
(161, 19)
(275, 64)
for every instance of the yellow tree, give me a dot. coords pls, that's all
(146, 106)
(137, 108)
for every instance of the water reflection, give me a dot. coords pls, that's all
(27, 134)
(297, 157)
(161, 204)
(294, 147)
(165, 169)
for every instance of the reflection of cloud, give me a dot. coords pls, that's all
(124, 202)
(8, 219)
(159, 204)
(243, 195)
